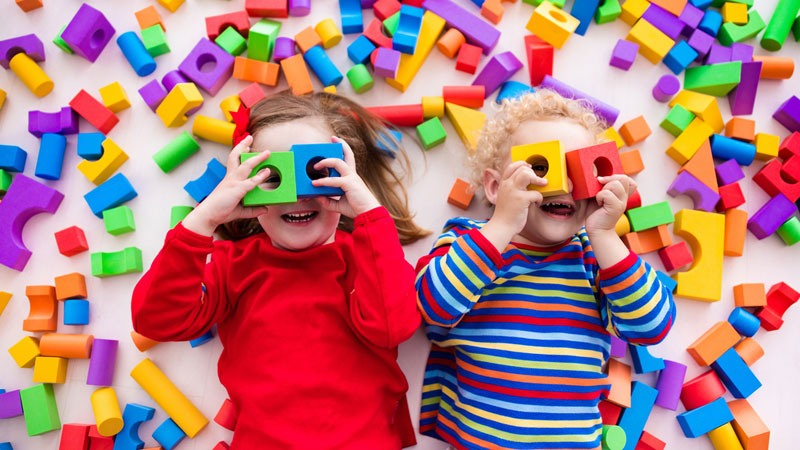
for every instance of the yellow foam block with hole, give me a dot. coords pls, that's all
(432, 107)
(703, 106)
(432, 26)
(653, 43)
(551, 24)
(25, 352)
(182, 98)
(50, 369)
(632, 10)
(467, 122)
(99, 170)
(705, 234)
(228, 104)
(114, 97)
(689, 141)
(553, 152)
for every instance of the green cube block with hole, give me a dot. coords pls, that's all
(281, 166)
(677, 120)
(608, 11)
(231, 41)
(119, 220)
(714, 79)
(155, 41)
(431, 133)
(730, 32)
(261, 39)
(650, 216)
(41, 410)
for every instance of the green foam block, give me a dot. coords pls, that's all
(790, 231)
(614, 437)
(178, 213)
(155, 41)
(231, 41)
(176, 152)
(677, 120)
(607, 12)
(360, 78)
(716, 79)
(650, 216)
(431, 133)
(41, 411)
(60, 43)
(282, 164)
(261, 39)
(110, 264)
(731, 32)
(390, 24)
(5, 180)
(119, 220)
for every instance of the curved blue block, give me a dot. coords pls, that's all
(90, 145)
(201, 187)
(134, 415)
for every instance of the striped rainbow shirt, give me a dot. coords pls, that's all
(520, 339)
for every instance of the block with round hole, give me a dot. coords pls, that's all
(550, 156)
(305, 156)
(581, 166)
(282, 165)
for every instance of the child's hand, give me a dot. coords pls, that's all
(609, 203)
(357, 198)
(224, 203)
(513, 200)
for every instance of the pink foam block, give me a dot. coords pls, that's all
(788, 114)
(743, 97)
(497, 71)
(729, 172)
(667, 86)
(669, 385)
(64, 121)
(101, 364)
(25, 198)
(475, 30)
(704, 197)
(771, 216)
(208, 66)
(29, 44)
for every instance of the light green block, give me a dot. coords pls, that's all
(119, 220)
(614, 437)
(790, 231)
(556, 3)
(155, 41)
(261, 39)
(178, 213)
(650, 216)
(5, 180)
(431, 133)
(731, 32)
(360, 78)
(607, 12)
(716, 79)
(60, 43)
(110, 264)
(231, 41)
(41, 411)
(390, 24)
(282, 164)
(677, 120)
(176, 151)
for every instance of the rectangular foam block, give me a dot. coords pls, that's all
(633, 419)
(650, 216)
(41, 411)
(475, 30)
(432, 26)
(735, 374)
(752, 432)
(713, 343)
(500, 68)
(700, 421)
(771, 216)
(653, 43)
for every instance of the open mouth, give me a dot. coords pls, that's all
(558, 209)
(299, 217)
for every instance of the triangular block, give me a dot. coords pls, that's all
(468, 123)
(701, 165)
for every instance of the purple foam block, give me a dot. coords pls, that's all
(663, 20)
(691, 17)
(366, 4)
(208, 65)
(475, 30)
(152, 93)
(386, 62)
(101, 364)
(25, 198)
(605, 111)
(788, 114)
(741, 52)
(729, 172)
(88, 33)
(624, 54)
(64, 121)
(667, 86)
(769, 218)
(172, 78)
(29, 44)
(299, 8)
(10, 405)
(718, 54)
(704, 197)
(701, 42)
(497, 71)
(284, 48)
(742, 98)
(669, 385)
(618, 347)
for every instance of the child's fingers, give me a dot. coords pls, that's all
(534, 197)
(235, 154)
(247, 167)
(349, 157)
(337, 164)
(331, 204)
(259, 178)
(513, 167)
(627, 182)
(338, 182)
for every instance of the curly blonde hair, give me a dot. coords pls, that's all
(544, 104)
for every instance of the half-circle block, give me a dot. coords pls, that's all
(705, 234)
(202, 186)
(44, 309)
(29, 44)
(134, 415)
(704, 197)
(25, 198)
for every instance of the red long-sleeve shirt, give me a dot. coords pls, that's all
(310, 338)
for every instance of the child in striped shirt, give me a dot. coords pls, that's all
(519, 308)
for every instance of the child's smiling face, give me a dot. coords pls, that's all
(559, 217)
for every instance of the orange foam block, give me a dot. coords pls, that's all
(253, 70)
(450, 43)
(750, 295)
(735, 231)
(71, 285)
(741, 128)
(142, 343)
(701, 165)
(646, 241)
(749, 350)
(64, 345)
(44, 309)
(713, 343)
(148, 17)
(461, 194)
(751, 430)
(493, 11)
(296, 72)
(705, 234)
(634, 130)
(631, 162)
(307, 38)
(619, 376)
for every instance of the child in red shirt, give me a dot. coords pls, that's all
(310, 305)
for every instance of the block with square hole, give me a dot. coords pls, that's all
(305, 156)
(281, 164)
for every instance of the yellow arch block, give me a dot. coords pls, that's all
(99, 170)
(107, 414)
(182, 98)
(553, 152)
(705, 234)
(228, 104)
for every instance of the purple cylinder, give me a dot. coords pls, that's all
(670, 383)
(172, 78)
(101, 363)
(284, 48)
(603, 110)
(667, 86)
(299, 8)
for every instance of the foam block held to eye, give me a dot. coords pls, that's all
(305, 156)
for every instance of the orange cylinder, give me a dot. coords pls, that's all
(66, 345)
(749, 350)
(451, 42)
(142, 343)
(775, 67)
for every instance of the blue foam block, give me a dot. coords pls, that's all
(360, 49)
(90, 145)
(202, 186)
(701, 4)
(633, 419)
(710, 23)
(136, 53)
(6, 446)
(643, 361)
(307, 155)
(134, 415)
(205, 338)
(51, 156)
(168, 434)
(513, 89)
(76, 312)
(405, 37)
(12, 158)
(113, 192)
(584, 10)
(352, 20)
(385, 143)
(666, 280)
(700, 421)
(744, 322)
(736, 374)
(724, 147)
(322, 66)
(679, 57)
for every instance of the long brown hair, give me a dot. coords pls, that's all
(361, 129)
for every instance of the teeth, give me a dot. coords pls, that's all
(299, 217)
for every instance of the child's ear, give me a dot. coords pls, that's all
(491, 184)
